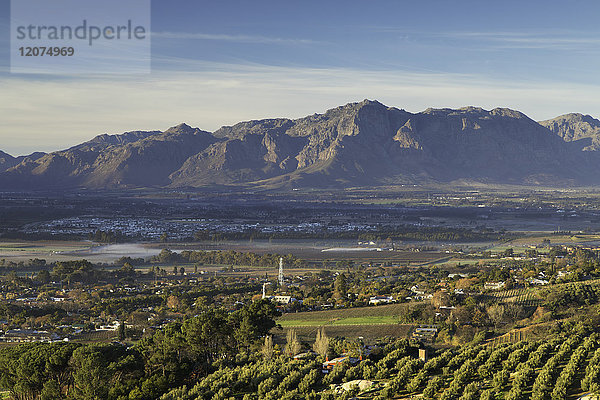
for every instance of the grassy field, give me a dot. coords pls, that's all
(367, 320)
(370, 333)
(369, 323)
(40, 248)
(340, 314)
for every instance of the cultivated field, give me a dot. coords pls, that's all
(369, 333)
(357, 316)
(367, 322)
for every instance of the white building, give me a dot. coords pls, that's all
(493, 285)
(381, 300)
(283, 299)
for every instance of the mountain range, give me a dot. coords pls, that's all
(358, 144)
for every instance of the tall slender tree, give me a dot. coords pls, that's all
(321, 344)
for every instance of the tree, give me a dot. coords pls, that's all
(253, 321)
(508, 253)
(91, 375)
(122, 333)
(514, 311)
(440, 298)
(465, 283)
(79, 270)
(173, 302)
(267, 349)
(43, 276)
(309, 381)
(26, 369)
(292, 346)
(433, 386)
(500, 379)
(163, 353)
(209, 335)
(489, 394)
(127, 269)
(496, 314)
(321, 344)
(340, 287)
(266, 386)
(51, 391)
(531, 253)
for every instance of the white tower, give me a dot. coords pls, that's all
(280, 278)
(264, 290)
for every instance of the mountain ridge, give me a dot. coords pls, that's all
(357, 144)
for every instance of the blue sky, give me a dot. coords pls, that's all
(216, 63)
(498, 39)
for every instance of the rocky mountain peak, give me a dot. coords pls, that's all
(182, 128)
(584, 130)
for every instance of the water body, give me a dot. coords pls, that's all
(112, 252)
(348, 249)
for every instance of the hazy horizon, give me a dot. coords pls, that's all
(34, 150)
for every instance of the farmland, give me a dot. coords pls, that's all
(560, 367)
(374, 315)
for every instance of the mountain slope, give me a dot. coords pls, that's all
(369, 143)
(6, 161)
(576, 128)
(134, 159)
(500, 145)
(358, 144)
(259, 150)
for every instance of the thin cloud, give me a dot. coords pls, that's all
(231, 38)
(552, 40)
(519, 40)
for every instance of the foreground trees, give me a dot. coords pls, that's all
(176, 355)
(215, 355)
(32, 369)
